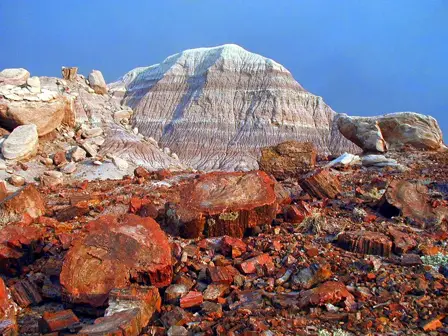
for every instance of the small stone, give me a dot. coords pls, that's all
(142, 172)
(60, 321)
(52, 178)
(97, 82)
(321, 184)
(17, 181)
(97, 163)
(174, 292)
(33, 84)
(14, 76)
(21, 143)
(90, 149)
(135, 130)
(69, 168)
(191, 299)
(46, 161)
(92, 132)
(25, 293)
(250, 266)
(177, 331)
(215, 291)
(59, 158)
(411, 260)
(78, 154)
(69, 73)
(120, 163)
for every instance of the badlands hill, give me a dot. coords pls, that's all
(216, 107)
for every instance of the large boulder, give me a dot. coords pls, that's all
(46, 115)
(21, 143)
(290, 158)
(26, 201)
(393, 131)
(116, 252)
(8, 310)
(219, 203)
(97, 82)
(14, 76)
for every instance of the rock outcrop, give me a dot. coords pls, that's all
(97, 82)
(392, 131)
(216, 107)
(21, 143)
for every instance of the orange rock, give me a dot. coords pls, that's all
(59, 321)
(116, 251)
(192, 299)
(321, 184)
(434, 324)
(8, 323)
(329, 292)
(250, 266)
(233, 247)
(219, 203)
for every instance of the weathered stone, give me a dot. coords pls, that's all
(21, 143)
(19, 244)
(8, 322)
(402, 241)
(222, 274)
(60, 321)
(329, 292)
(78, 154)
(14, 76)
(288, 159)
(33, 84)
(92, 132)
(364, 132)
(146, 299)
(142, 172)
(120, 163)
(215, 291)
(411, 201)
(191, 299)
(218, 204)
(115, 252)
(174, 292)
(233, 247)
(366, 242)
(411, 260)
(25, 293)
(69, 73)
(59, 158)
(296, 213)
(321, 184)
(46, 115)
(16, 180)
(250, 266)
(175, 317)
(72, 211)
(177, 331)
(97, 82)
(394, 131)
(311, 276)
(122, 323)
(25, 201)
(52, 178)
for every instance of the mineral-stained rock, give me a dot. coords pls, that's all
(146, 299)
(366, 242)
(329, 292)
(410, 200)
(233, 247)
(14, 76)
(250, 102)
(69, 73)
(262, 261)
(402, 241)
(296, 213)
(60, 321)
(97, 83)
(289, 158)
(115, 252)
(46, 115)
(222, 274)
(59, 158)
(19, 243)
(218, 204)
(25, 201)
(25, 293)
(122, 323)
(192, 299)
(8, 323)
(177, 317)
(321, 184)
(393, 131)
(310, 276)
(21, 143)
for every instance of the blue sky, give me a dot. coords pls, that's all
(365, 57)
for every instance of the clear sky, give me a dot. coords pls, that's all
(365, 57)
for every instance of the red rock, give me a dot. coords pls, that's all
(19, 244)
(25, 293)
(192, 299)
(72, 211)
(3, 191)
(366, 242)
(64, 320)
(222, 274)
(177, 317)
(296, 213)
(250, 266)
(329, 292)
(163, 174)
(219, 203)
(233, 247)
(136, 203)
(402, 241)
(148, 210)
(215, 291)
(321, 184)
(212, 310)
(288, 159)
(25, 201)
(411, 201)
(411, 260)
(59, 158)
(142, 172)
(8, 323)
(434, 324)
(123, 323)
(116, 251)
(146, 299)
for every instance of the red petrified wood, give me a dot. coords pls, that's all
(59, 321)
(321, 184)
(8, 323)
(366, 242)
(219, 203)
(329, 292)
(116, 251)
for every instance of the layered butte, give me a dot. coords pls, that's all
(216, 107)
